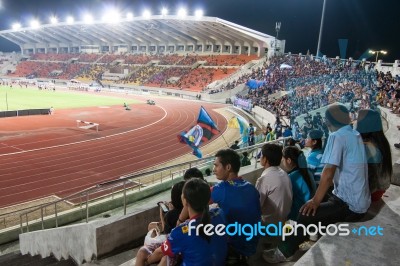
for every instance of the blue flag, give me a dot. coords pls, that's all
(209, 127)
(203, 131)
(255, 84)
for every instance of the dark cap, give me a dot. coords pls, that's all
(338, 115)
(369, 121)
(315, 134)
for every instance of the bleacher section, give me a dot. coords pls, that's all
(190, 72)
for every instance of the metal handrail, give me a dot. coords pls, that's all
(122, 181)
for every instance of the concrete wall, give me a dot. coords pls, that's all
(124, 231)
(393, 136)
(221, 96)
(263, 116)
(87, 241)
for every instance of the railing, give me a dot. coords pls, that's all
(122, 187)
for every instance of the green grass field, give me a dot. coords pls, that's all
(33, 98)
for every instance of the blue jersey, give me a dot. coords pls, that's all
(196, 250)
(314, 163)
(240, 202)
(301, 193)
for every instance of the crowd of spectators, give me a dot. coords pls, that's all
(162, 72)
(53, 57)
(229, 60)
(310, 84)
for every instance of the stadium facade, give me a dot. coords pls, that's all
(156, 34)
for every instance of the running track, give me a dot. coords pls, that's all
(62, 159)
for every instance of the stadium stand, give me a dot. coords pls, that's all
(290, 86)
(134, 69)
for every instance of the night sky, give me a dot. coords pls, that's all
(367, 24)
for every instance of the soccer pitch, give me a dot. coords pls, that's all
(32, 98)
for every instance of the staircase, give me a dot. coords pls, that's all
(17, 259)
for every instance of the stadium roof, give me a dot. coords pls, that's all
(160, 30)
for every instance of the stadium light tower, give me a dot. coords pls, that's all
(88, 19)
(70, 20)
(377, 53)
(198, 13)
(53, 20)
(146, 13)
(164, 11)
(112, 16)
(277, 29)
(16, 26)
(182, 12)
(35, 24)
(321, 27)
(129, 16)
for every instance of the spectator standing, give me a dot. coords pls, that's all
(251, 134)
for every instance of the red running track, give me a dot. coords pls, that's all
(48, 155)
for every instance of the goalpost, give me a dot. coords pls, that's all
(87, 125)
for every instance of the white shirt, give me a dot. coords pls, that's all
(276, 194)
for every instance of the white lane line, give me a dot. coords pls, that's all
(83, 141)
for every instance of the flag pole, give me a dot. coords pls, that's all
(225, 140)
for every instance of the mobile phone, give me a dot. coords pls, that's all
(163, 206)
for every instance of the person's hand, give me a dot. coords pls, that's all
(170, 205)
(310, 207)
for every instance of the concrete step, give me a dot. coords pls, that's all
(17, 259)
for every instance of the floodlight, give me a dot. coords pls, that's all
(182, 12)
(129, 16)
(53, 20)
(198, 13)
(377, 52)
(164, 11)
(35, 24)
(146, 13)
(88, 19)
(70, 20)
(112, 16)
(16, 26)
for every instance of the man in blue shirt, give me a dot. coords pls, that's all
(346, 166)
(239, 200)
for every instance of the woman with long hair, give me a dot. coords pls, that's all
(159, 230)
(314, 142)
(303, 184)
(377, 147)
